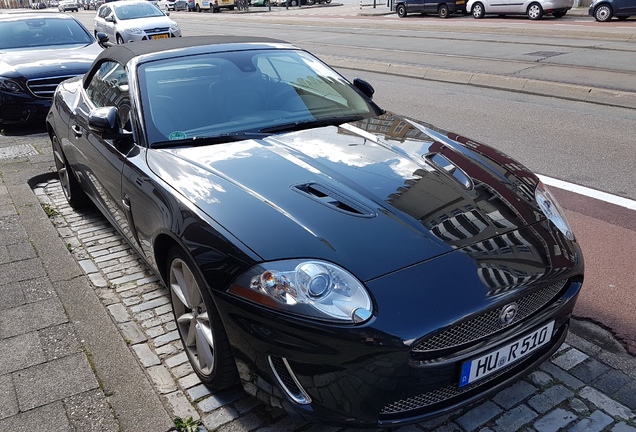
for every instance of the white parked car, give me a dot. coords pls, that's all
(134, 20)
(67, 5)
(166, 4)
(534, 9)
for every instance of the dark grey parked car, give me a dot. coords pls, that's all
(442, 8)
(604, 10)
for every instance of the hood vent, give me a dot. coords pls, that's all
(331, 198)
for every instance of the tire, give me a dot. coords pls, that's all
(442, 11)
(199, 324)
(558, 14)
(120, 40)
(535, 11)
(197, 8)
(603, 13)
(73, 192)
(310, 2)
(401, 10)
(478, 11)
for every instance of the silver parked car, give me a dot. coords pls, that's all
(134, 20)
(534, 9)
(68, 5)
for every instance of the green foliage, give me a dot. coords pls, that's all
(50, 211)
(187, 425)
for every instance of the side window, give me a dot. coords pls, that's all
(109, 87)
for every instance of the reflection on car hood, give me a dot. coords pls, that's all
(374, 196)
(45, 62)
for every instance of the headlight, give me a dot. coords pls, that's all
(311, 288)
(552, 210)
(10, 86)
(134, 31)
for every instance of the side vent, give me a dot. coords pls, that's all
(331, 198)
(288, 381)
(450, 168)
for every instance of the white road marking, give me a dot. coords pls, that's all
(589, 192)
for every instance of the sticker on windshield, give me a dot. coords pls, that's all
(177, 135)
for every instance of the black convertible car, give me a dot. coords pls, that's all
(361, 268)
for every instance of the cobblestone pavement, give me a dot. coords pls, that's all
(574, 391)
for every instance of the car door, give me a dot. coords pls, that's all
(101, 25)
(625, 7)
(414, 6)
(101, 160)
(503, 6)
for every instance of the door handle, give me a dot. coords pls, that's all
(126, 203)
(77, 130)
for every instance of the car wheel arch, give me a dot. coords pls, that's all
(400, 9)
(73, 192)
(163, 243)
(478, 10)
(534, 6)
(443, 11)
(603, 12)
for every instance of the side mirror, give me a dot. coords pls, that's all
(366, 88)
(105, 122)
(110, 18)
(102, 38)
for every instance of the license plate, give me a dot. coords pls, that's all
(499, 358)
(159, 36)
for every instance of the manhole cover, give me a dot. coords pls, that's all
(545, 53)
(17, 151)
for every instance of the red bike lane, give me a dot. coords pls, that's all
(607, 234)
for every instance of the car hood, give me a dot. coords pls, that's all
(374, 196)
(45, 62)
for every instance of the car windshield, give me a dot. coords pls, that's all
(137, 10)
(202, 98)
(41, 32)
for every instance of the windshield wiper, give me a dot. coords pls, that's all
(209, 140)
(308, 124)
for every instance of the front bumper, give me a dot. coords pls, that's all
(365, 376)
(22, 109)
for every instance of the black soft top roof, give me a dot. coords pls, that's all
(125, 52)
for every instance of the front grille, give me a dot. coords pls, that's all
(157, 30)
(436, 396)
(45, 87)
(488, 323)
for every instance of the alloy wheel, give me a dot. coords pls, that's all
(192, 317)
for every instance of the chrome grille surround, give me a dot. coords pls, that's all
(157, 30)
(45, 87)
(288, 381)
(487, 323)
